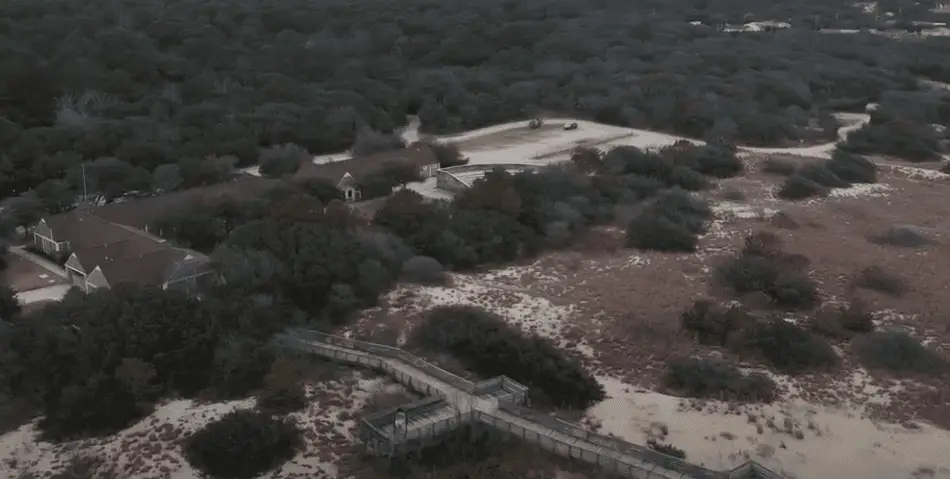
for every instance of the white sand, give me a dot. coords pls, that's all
(531, 313)
(915, 173)
(836, 443)
(323, 425)
(870, 190)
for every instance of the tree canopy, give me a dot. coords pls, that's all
(135, 87)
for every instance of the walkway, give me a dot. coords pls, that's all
(573, 441)
(40, 261)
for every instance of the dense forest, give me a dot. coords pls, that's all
(147, 91)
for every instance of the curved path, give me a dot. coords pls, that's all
(463, 399)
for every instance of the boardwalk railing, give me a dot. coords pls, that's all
(495, 403)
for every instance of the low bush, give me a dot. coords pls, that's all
(687, 179)
(668, 449)
(762, 266)
(718, 379)
(490, 347)
(776, 166)
(821, 174)
(712, 324)
(797, 187)
(898, 352)
(283, 391)
(242, 445)
(792, 349)
(717, 161)
(424, 270)
(842, 322)
(672, 223)
(879, 279)
(902, 236)
(852, 168)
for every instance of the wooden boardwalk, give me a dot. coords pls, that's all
(499, 404)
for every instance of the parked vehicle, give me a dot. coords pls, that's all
(535, 123)
(570, 126)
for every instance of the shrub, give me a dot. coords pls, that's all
(797, 187)
(843, 322)
(945, 166)
(792, 349)
(687, 179)
(242, 445)
(714, 325)
(716, 378)
(852, 168)
(762, 266)
(898, 352)
(821, 174)
(283, 389)
(879, 279)
(716, 161)
(785, 221)
(776, 166)
(902, 236)
(668, 449)
(424, 270)
(278, 161)
(490, 347)
(671, 223)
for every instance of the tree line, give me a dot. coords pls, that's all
(157, 96)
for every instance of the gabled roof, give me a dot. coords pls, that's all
(89, 258)
(85, 230)
(417, 154)
(154, 268)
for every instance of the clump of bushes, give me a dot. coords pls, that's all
(788, 347)
(283, 389)
(662, 166)
(490, 347)
(797, 187)
(668, 449)
(879, 279)
(898, 352)
(852, 168)
(281, 160)
(672, 223)
(762, 266)
(843, 322)
(816, 179)
(714, 325)
(242, 445)
(792, 349)
(902, 236)
(718, 379)
(776, 166)
(821, 174)
(715, 160)
(424, 270)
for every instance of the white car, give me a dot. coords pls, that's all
(570, 126)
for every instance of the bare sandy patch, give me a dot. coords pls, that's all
(792, 436)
